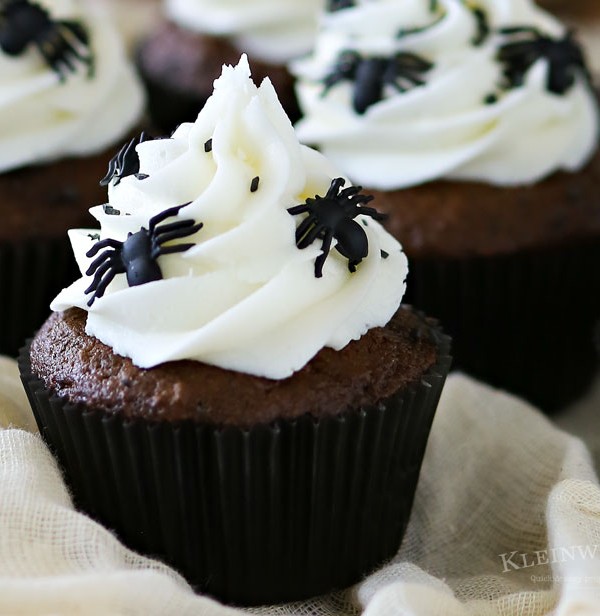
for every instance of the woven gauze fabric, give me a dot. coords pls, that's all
(506, 521)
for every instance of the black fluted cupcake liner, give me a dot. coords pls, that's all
(274, 513)
(523, 322)
(32, 272)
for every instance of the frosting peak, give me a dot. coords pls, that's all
(66, 87)
(242, 291)
(494, 90)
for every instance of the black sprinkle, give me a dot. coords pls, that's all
(94, 236)
(364, 222)
(384, 254)
(208, 146)
(254, 184)
(110, 211)
(141, 176)
(490, 99)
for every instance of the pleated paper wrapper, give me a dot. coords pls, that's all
(275, 513)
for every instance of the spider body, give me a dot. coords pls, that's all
(332, 216)
(137, 256)
(126, 162)
(528, 45)
(370, 75)
(24, 23)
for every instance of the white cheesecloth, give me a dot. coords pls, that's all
(506, 521)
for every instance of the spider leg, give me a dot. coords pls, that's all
(320, 260)
(98, 272)
(107, 243)
(163, 238)
(304, 232)
(352, 263)
(172, 211)
(77, 30)
(51, 56)
(99, 261)
(298, 209)
(336, 184)
(519, 53)
(371, 212)
(345, 68)
(158, 240)
(403, 82)
(359, 199)
(349, 192)
(101, 288)
(354, 198)
(59, 52)
(410, 62)
(80, 34)
(404, 71)
(331, 80)
(181, 225)
(311, 236)
(519, 30)
(168, 250)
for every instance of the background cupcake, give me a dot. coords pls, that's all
(68, 96)
(180, 61)
(226, 390)
(477, 126)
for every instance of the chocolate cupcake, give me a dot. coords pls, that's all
(181, 59)
(476, 128)
(578, 11)
(231, 385)
(68, 95)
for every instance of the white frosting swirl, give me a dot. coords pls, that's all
(244, 297)
(444, 129)
(274, 31)
(42, 118)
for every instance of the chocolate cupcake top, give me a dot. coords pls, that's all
(232, 244)
(66, 87)
(400, 93)
(269, 30)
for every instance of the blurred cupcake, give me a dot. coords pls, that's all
(180, 61)
(475, 126)
(577, 10)
(233, 386)
(67, 95)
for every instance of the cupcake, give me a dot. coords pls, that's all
(67, 96)
(233, 387)
(475, 127)
(577, 10)
(182, 58)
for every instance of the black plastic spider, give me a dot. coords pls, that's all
(338, 5)
(402, 71)
(332, 216)
(529, 45)
(137, 255)
(125, 162)
(60, 43)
